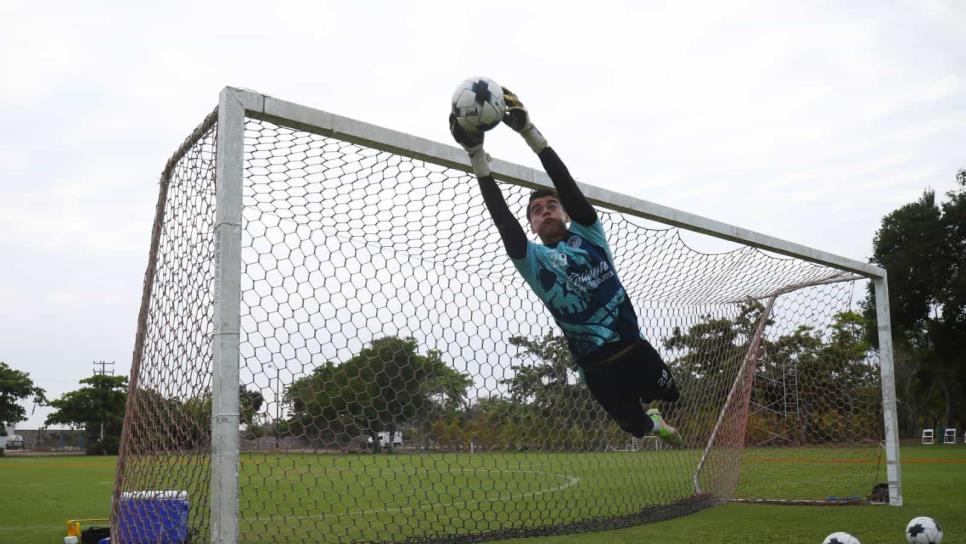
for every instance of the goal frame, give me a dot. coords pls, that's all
(235, 105)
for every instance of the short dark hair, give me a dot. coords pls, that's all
(540, 193)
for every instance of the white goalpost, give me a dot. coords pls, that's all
(329, 322)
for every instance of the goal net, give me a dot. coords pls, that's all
(399, 382)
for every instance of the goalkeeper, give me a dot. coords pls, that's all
(573, 273)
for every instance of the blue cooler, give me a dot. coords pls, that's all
(153, 517)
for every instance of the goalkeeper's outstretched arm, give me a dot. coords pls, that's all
(577, 206)
(514, 239)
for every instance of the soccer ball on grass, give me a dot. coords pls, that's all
(840, 538)
(478, 104)
(924, 530)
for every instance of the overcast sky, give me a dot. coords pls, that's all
(807, 121)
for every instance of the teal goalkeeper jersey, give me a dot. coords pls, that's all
(577, 282)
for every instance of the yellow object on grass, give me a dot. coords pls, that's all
(74, 525)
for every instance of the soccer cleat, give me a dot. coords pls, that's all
(665, 432)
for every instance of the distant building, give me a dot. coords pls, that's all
(52, 439)
(10, 440)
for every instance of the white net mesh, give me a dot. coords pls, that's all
(400, 382)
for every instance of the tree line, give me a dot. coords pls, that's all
(922, 246)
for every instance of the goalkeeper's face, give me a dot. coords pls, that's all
(548, 219)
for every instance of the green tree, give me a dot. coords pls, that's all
(838, 383)
(250, 402)
(707, 357)
(781, 364)
(498, 423)
(168, 422)
(949, 324)
(910, 246)
(715, 348)
(548, 407)
(922, 246)
(189, 421)
(548, 377)
(827, 372)
(99, 405)
(384, 387)
(185, 423)
(15, 386)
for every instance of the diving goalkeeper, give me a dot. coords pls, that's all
(573, 273)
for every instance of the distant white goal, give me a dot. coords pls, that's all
(333, 347)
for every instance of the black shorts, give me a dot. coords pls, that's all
(620, 385)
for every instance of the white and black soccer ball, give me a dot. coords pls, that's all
(840, 538)
(478, 104)
(924, 530)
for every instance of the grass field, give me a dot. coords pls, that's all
(38, 493)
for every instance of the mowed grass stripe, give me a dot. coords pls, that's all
(364, 496)
(344, 497)
(41, 493)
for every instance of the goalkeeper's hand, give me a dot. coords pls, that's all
(518, 118)
(472, 142)
(469, 140)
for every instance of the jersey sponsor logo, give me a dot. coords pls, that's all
(593, 277)
(573, 241)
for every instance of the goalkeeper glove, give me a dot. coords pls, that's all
(517, 118)
(472, 142)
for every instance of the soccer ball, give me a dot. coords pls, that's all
(840, 538)
(923, 530)
(478, 104)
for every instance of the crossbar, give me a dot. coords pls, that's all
(328, 124)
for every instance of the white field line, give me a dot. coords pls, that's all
(571, 481)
